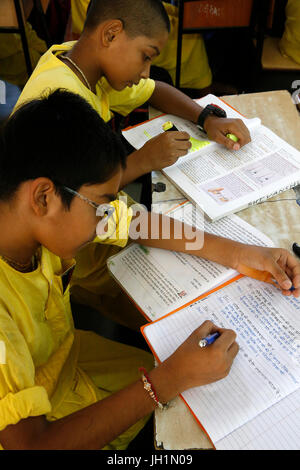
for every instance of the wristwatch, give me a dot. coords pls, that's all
(210, 109)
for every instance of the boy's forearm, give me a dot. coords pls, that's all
(169, 99)
(99, 424)
(96, 425)
(160, 231)
(138, 164)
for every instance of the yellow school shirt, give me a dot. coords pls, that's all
(195, 69)
(78, 14)
(41, 374)
(12, 64)
(51, 73)
(289, 44)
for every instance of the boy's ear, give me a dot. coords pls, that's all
(42, 194)
(111, 31)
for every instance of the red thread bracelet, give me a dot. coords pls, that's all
(149, 388)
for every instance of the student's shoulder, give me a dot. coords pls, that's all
(50, 73)
(50, 59)
(42, 86)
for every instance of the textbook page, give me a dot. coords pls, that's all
(222, 182)
(160, 281)
(266, 369)
(138, 135)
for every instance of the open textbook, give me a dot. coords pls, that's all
(257, 406)
(220, 181)
(160, 281)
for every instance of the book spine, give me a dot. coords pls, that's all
(274, 193)
(253, 203)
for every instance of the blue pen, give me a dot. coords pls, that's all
(208, 339)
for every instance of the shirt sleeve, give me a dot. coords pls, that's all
(125, 101)
(20, 397)
(117, 228)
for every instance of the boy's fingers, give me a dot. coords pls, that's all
(226, 339)
(228, 143)
(292, 269)
(180, 135)
(175, 135)
(280, 276)
(233, 350)
(238, 128)
(218, 129)
(287, 272)
(183, 144)
(231, 144)
(293, 265)
(207, 328)
(296, 281)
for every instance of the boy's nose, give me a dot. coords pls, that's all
(146, 72)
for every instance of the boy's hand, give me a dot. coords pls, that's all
(191, 366)
(165, 149)
(217, 129)
(270, 263)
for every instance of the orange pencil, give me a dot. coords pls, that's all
(263, 276)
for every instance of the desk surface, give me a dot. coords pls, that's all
(176, 428)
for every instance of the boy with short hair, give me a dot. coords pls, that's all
(109, 67)
(67, 389)
(195, 70)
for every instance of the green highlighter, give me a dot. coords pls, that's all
(232, 137)
(169, 126)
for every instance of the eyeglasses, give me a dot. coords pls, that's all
(101, 209)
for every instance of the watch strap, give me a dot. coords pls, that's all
(210, 109)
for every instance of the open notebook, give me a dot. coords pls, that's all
(220, 181)
(160, 281)
(257, 406)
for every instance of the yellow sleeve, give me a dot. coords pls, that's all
(195, 69)
(20, 397)
(78, 13)
(118, 225)
(125, 101)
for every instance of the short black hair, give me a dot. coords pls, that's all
(139, 17)
(61, 137)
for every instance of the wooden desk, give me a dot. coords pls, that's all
(272, 59)
(176, 428)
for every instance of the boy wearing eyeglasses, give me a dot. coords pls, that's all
(109, 67)
(62, 388)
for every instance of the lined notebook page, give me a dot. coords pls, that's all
(277, 427)
(265, 370)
